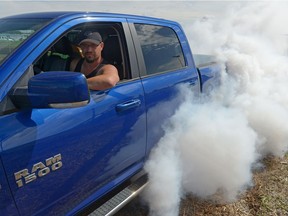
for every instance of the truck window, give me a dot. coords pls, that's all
(59, 55)
(13, 32)
(161, 48)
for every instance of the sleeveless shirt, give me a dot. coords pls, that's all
(94, 72)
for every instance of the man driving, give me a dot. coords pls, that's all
(100, 74)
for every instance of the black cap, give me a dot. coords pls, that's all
(93, 37)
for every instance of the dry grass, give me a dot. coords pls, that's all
(268, 197)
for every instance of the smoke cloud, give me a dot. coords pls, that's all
(212, 144)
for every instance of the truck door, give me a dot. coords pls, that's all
(167, 63)
(61, 159)
(7, 205)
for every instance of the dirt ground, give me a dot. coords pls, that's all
(268, 197)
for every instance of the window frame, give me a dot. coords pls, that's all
(138, 47)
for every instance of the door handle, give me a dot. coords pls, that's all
(128, 105)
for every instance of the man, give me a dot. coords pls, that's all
(99, 74)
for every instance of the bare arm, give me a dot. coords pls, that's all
(107, 78)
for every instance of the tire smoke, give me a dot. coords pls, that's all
(212, 144)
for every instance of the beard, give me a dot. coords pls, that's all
(89, 57)
(90, 60)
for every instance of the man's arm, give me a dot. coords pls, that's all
(107, 78)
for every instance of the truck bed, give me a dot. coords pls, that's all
(209, 71)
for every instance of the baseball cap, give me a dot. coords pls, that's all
(93, 37)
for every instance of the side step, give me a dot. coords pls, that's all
(118, 201)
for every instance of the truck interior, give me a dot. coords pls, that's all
(60, 54)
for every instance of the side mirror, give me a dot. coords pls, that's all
(53, 90)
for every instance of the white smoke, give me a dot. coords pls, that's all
(211, 145)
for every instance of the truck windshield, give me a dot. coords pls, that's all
(13, 32)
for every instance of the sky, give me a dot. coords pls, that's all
(185, 12)
(177, 10)
(182, 11)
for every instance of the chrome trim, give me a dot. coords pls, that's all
(126, 201)
(118, 201)
(69, 105)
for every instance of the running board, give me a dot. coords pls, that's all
(118, 201)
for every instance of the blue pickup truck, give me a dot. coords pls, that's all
(66, 150)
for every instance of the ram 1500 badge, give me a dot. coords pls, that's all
(39, 169)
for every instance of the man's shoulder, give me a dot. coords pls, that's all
(108, 66)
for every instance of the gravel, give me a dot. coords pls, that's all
(268, 196)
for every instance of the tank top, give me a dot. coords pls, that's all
(94, 72)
